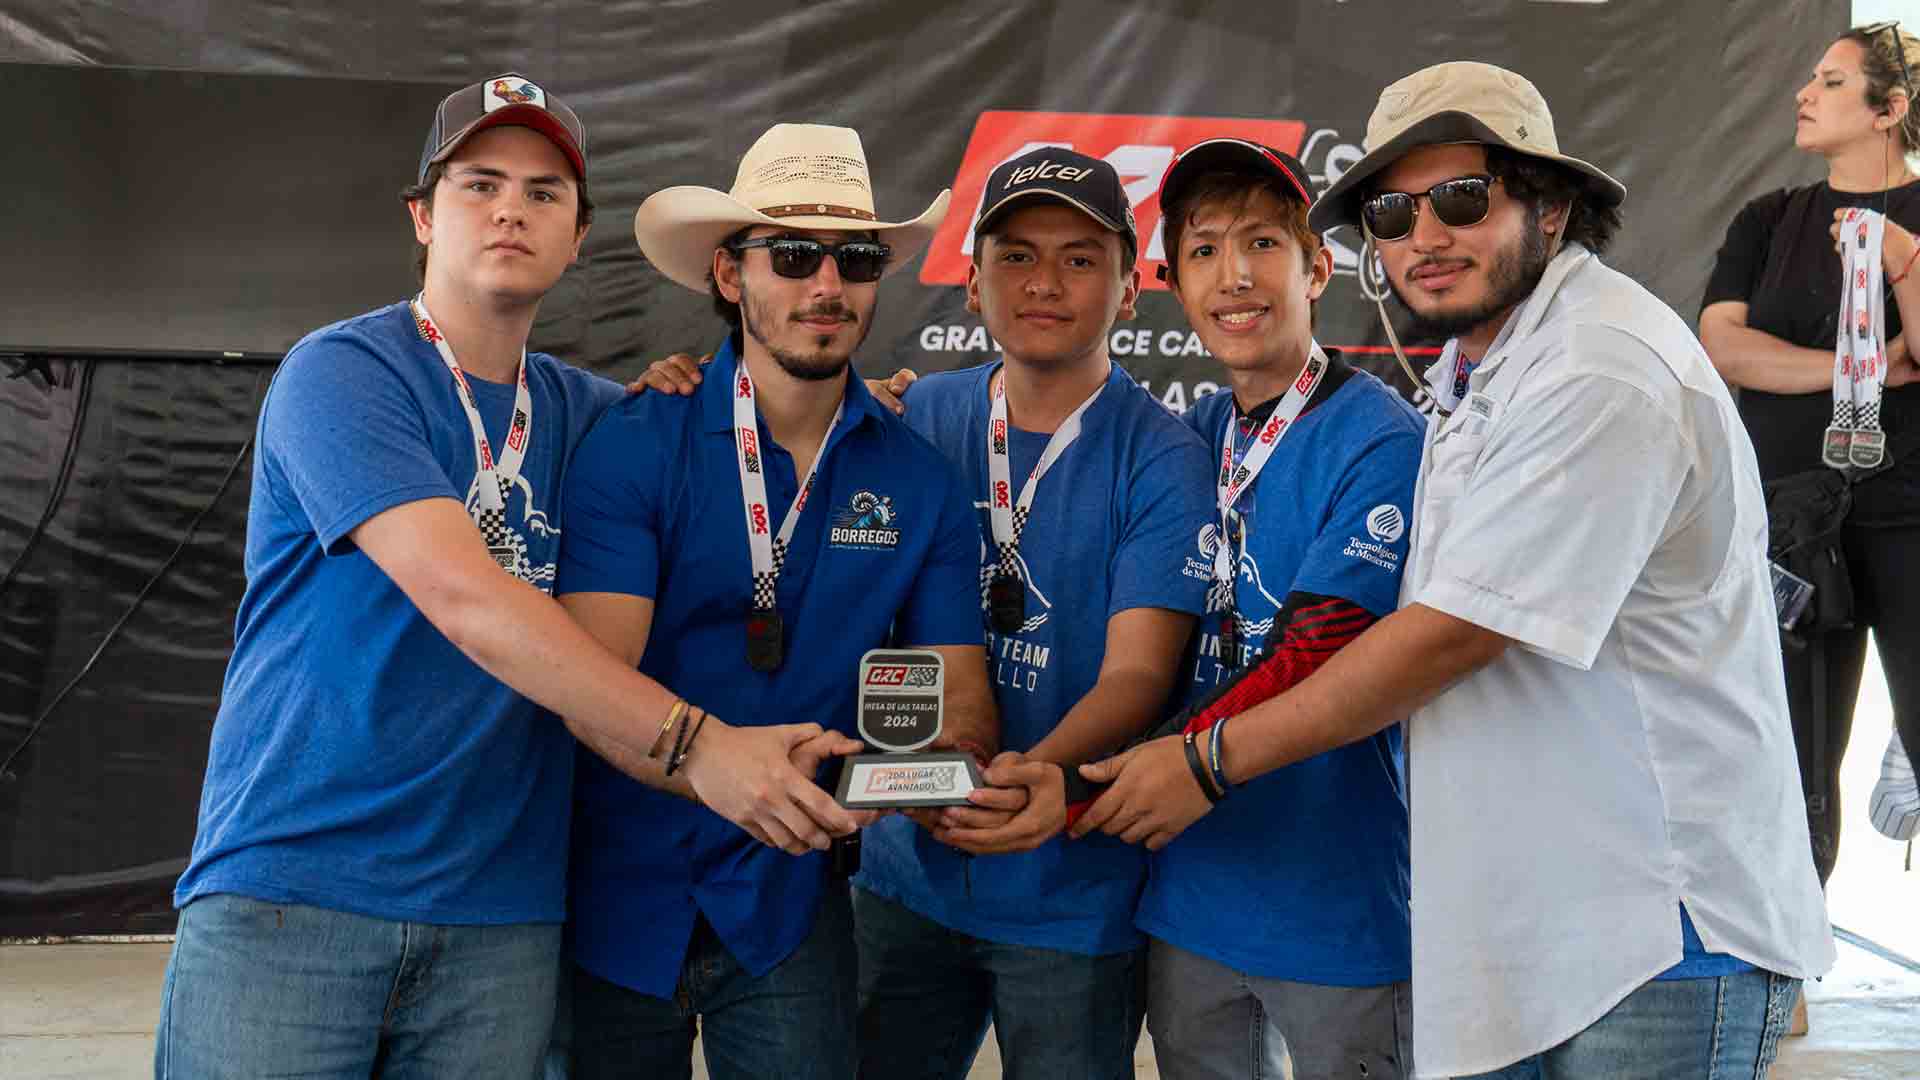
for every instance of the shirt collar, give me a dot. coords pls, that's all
(716, 393)
(1523, 322)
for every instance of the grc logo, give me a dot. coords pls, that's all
(1138, 147)
(758, 511)
(889, 675)
(743, 388)
(1000, 494)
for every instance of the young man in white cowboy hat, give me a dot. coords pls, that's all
(1265, 948)
(745, 546)
(378, 879)
(1092, 494)
(1607, 840)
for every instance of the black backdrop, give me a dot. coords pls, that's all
(194, 184)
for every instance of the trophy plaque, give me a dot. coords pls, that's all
(900, 702)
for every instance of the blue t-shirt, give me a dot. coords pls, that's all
(1301, 874)
(360, 761)
(1112, 528)
(884, 552)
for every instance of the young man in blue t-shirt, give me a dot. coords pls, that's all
(1263, 936)
(745, 546)
(1088, 495)
(378, 877)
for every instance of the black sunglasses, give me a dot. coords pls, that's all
(860, 261)
(1899, 49)
(1458, 203)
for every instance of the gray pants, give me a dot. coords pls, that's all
(1210, 1022)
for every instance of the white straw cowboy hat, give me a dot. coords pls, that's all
(1457, 102)
(802, 176)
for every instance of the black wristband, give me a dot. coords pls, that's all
(682, 741)
(1199, 769)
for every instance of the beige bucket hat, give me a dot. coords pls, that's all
(803, 176)
(1455, 102)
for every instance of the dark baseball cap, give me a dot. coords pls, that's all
(1218, 155)
(1230, 155)
(1087, 184)
(505, 99)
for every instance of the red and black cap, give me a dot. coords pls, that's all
(1238, 155)
(1087, 184)
(505, 99)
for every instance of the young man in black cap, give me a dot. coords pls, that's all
(378, 878)
(1260, 939)
(1089, 494)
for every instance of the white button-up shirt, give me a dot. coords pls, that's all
(1594, 497)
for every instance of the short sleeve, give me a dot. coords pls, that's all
(611, 543)
(1736, 269)
(1574, 489)
(343, 438)
(944, 608)
(1361, 551)
(1170, 501)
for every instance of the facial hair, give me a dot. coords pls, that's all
(1512, 276)
(819, 365)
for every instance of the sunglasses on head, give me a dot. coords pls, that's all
(1899, 48)
(1458, 203)
(860, 261)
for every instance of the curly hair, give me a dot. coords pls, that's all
(1541, 185)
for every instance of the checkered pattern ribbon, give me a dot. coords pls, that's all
(495, 477)
(1009, 517)
(1854, 438)
(768, 549)
(1239, 468)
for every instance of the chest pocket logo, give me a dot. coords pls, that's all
(868, 522)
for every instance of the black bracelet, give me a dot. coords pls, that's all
(681, 742)
(1199, 769)
(1214, 767)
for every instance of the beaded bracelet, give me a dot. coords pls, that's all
(682, 749)
(1199, 769)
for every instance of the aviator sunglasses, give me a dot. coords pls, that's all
(1458, 203)
(860, 261)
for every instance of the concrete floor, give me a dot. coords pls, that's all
(69, 1012)
(87, 1010)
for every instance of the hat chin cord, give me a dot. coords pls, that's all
(1368, 253)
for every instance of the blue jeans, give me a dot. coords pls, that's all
(261, 989)
(1687, 1029)
(793, 1023)
(927, 994)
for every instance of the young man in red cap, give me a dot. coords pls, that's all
(378, 878)
(1260, 938)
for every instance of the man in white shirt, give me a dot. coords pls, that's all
(1609, 855)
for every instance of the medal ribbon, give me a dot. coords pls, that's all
(1854, 437)
(1235, 480)
(1010, 518)
(495, 475)
(769, 551)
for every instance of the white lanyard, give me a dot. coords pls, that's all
(1010, 518)
(769, 552)
(495, 476)
(1854, 437)
(1234, 482)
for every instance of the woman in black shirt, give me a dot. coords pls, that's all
(1769, 320)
